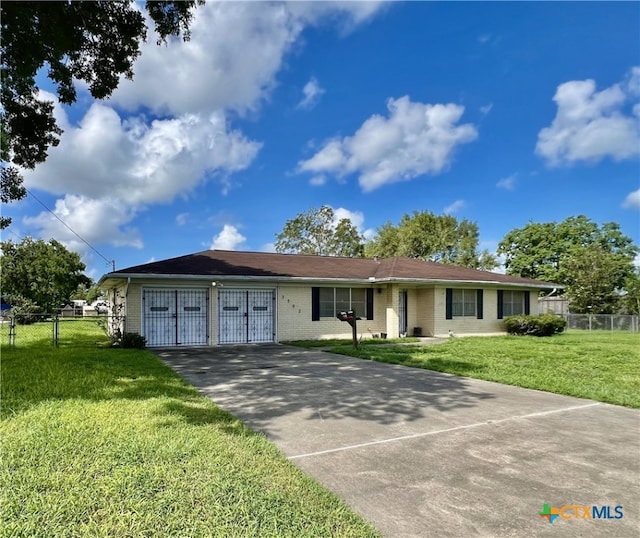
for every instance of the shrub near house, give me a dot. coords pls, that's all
(545, 325)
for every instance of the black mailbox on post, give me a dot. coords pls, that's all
(346, 315)
(350, 317)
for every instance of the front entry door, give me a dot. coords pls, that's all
(245, 316)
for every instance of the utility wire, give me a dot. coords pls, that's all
(110, 262)
(16, 234)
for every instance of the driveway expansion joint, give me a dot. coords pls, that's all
(445, 430)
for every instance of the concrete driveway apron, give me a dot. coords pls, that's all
(420, 453)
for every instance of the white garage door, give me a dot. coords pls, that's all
(246, 316)
(175, 317)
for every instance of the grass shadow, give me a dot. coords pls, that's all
(424, 358)
(37, 373)
(202, 412)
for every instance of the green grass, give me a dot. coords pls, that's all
(71, 332)
(603, 366)
(111, 442)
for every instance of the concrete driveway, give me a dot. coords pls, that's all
(420, 453)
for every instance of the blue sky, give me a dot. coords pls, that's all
(502, 113)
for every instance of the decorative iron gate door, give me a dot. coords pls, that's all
(175, 317)
(192, 317)
(246, 316)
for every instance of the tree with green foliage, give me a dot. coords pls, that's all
(594, 277)
(41, 274)
(427, 236)
(593, 262)
(92, 42)
(318, 232)
(630, 299)
(87, 291)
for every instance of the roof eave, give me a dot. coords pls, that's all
(293, 279)
(407, 280)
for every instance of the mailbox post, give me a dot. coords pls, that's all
(350, 317)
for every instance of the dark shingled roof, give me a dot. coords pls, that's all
(225, 263)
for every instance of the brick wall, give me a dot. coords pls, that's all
(294, 317)
(490, 323)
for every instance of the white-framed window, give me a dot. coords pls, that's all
(464, 303)
(333, 300)
(512, 303)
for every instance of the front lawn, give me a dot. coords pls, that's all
(111, 442)
(603, 366)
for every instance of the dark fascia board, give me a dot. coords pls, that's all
(124, 277)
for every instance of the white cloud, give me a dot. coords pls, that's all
(454, 207)
(268, 247)
(356, 218)
(632, 201)
(345, 14)
(230, 61)
(94, 220)
(591, 125)
(632, 81)
(368, 234)
(507, 183)
(486, 109)
(312, 93)
(181, 219)
(318, 181)
(228, 239)
(120, 167)
(232, 58)
(329, 158)
(415, 139)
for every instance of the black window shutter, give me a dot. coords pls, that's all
(449, 304)
(315, 304)
(369, 303)
(500, 304)
(479, 304)
(527, 303)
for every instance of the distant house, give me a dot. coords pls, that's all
(225, 297)
(73, 309)
(97, 308)
(554, 305)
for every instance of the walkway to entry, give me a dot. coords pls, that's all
(420, 453)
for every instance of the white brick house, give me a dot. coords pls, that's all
(222, 297)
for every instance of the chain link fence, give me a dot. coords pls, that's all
(38, 329)
(602, 322)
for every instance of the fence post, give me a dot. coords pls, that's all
(12, 331)
(56, 330)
